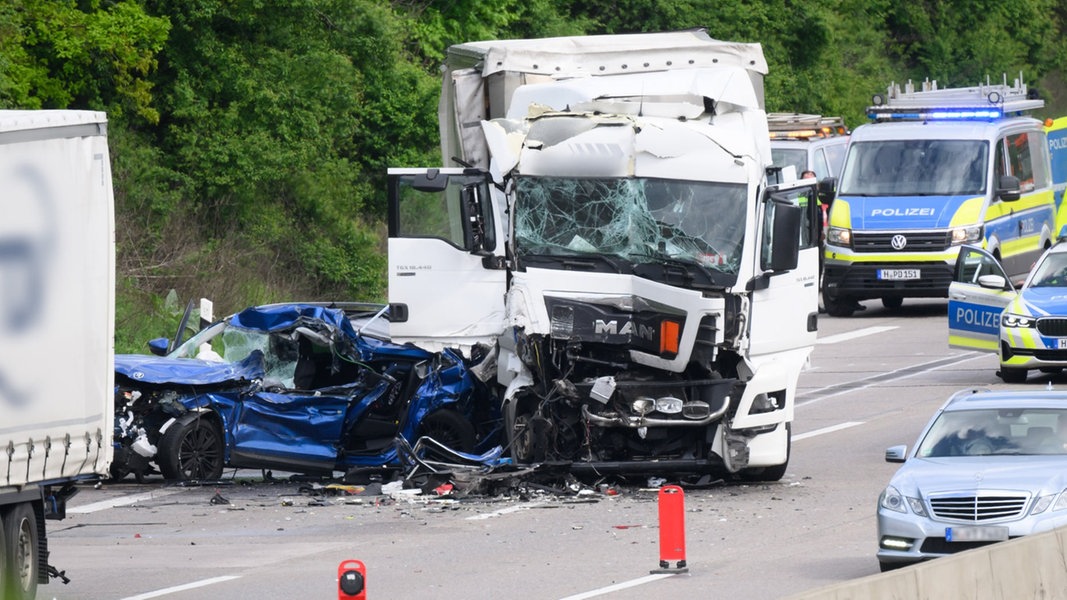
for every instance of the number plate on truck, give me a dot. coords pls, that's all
(976, 534)
(898, 274)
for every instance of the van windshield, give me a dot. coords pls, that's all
(916, 168)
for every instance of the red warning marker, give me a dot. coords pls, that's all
(671, 530)
(352, 580)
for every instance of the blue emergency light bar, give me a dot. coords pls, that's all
(955, 114)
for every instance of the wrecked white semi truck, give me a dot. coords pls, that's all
(609, 245)
(56, 327)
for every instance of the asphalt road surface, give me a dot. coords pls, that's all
(875, 379)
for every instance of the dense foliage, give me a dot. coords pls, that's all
(250, 138)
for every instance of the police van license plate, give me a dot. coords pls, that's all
(898, 274)
(976, 534)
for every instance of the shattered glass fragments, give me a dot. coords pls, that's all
(636, 219)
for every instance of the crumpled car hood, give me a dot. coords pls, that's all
(160, 369)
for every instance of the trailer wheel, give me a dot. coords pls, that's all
(20, 547)
(191, 449)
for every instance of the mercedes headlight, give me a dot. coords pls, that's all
(893, 500)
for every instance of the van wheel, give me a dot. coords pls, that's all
(19, 553)
(1012, 375)
(842, 306)
(892, 302)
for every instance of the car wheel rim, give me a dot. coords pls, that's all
(199, 453)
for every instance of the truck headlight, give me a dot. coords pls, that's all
(839, 236)
(966, 235)
(1018, 321)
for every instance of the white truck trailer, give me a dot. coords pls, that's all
(608, 240)
(56, 327)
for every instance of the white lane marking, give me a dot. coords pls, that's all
(182, 588)
(904, 373)
(851, 335)
(504, 511)
(829, 429)
(123, 501)
(620, 586)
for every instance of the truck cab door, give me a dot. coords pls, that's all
(979, 292)
(447, 267)
(785, 298)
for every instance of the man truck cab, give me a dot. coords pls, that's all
(936, 169)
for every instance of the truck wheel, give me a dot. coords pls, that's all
(1012, 375)
(838, 307)
(191, 449)
(20, 553)
(449, 428)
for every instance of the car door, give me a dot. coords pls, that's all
(294, 430)
(979, 292)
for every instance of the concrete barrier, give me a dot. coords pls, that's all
(1028, 567)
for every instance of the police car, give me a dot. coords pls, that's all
(1026, 326)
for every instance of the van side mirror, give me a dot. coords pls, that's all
(1008, 188)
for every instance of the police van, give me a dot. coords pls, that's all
(808, 143)
(936, 169)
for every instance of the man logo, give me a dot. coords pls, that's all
(898, 242)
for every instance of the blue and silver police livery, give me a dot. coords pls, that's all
(1027, 327)
(936, 170)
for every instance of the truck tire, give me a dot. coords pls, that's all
(192, 448)
(449, 428)
(20, 549)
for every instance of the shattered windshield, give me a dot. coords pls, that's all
(223, 342)
(641, 220)
(916, 168)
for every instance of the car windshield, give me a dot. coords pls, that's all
(915, 168)
(1051, 272)
(636, 219)
(996, 431)
(222, 342)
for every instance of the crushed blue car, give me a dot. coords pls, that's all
(304, 388)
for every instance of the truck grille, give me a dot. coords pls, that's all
(917, 241)
(1053, 326)
(978, 508)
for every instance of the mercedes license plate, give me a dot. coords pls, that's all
(1061, 343)
(976, 534)
(898, 274)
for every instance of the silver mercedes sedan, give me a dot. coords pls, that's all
(989, 466)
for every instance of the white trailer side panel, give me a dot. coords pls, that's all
(56, 296)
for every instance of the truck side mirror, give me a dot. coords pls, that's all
(478, 239)
(1008, 188)
(785, 246)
